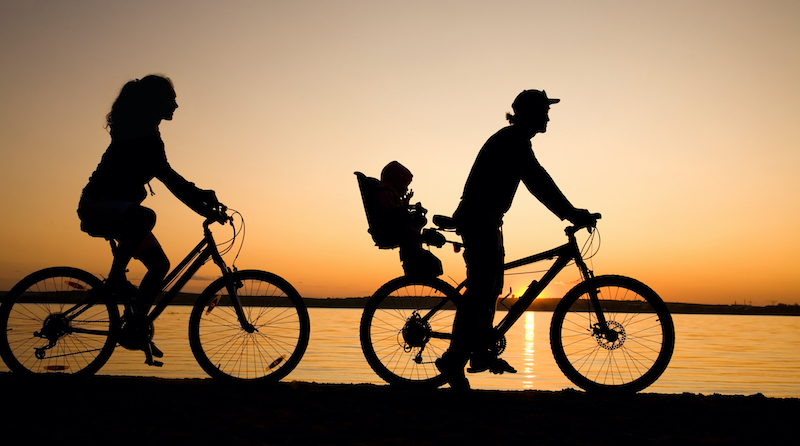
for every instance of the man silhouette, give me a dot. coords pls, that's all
(504, 160)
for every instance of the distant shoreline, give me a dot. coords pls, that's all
(544, 304)
(549, 304)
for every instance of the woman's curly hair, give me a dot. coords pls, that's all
(140, 102)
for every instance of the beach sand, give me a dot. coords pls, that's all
(133, 410)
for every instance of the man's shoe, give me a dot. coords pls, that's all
(482, 363)
(453, 374)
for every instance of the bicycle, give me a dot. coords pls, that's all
(608, 334)
(246, 325)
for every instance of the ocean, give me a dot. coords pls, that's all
(714, 354)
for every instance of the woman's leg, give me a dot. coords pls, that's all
(155, 260)
(134, 225)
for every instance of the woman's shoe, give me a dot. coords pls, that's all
(453, 373)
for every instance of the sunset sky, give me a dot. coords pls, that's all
(679, 121)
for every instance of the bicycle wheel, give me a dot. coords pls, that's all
(406, 325)
(268, 350)
(627, 358)
(52, 323)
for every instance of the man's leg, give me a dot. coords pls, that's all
(472, 328)
(484, 259)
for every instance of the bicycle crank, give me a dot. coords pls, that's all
(136, 332)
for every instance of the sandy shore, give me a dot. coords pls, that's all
(129, 410)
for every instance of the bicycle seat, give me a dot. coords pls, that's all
(444, 222)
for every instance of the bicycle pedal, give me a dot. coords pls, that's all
(149, 351)
(153, 363)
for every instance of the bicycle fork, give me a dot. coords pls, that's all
(233, 286)
(600, 329)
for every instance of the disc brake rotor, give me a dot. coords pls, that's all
(610, 339)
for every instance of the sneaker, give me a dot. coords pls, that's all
(482, 363)
(149, 351)
(453, 374)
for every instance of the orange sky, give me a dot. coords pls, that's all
(678, 122)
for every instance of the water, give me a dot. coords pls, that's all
(724, 354)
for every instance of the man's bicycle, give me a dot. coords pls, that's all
(246, 325)
(609, 333)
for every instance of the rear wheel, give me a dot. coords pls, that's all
(52, 322)
(406, 325)
(628, 355)
(272, 343)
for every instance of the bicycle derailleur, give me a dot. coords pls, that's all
(54, 328)
(415, 334)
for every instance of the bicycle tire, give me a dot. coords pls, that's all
(645, 336)
(33, 312)
(226, 351)
(400, 346)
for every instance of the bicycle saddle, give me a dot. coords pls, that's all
(444, 222)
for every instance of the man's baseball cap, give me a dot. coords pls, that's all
(532, 101)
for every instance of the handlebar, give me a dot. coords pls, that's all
(590, 223)
(218, 213)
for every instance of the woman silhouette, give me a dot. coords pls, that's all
(110, 205)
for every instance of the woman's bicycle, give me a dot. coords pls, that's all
(609, 333)
(246, 325)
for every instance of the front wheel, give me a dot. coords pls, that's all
(406, 325)
(55, 321)
(267, 345)
(624, 355)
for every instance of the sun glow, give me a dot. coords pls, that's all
(253, 79)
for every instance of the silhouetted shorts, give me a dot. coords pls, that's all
(103, 218)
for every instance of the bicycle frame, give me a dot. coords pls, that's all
(563, 255)
(204, 250)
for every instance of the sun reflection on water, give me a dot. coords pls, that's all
(528, 355)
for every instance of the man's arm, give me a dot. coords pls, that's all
(542, 186)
